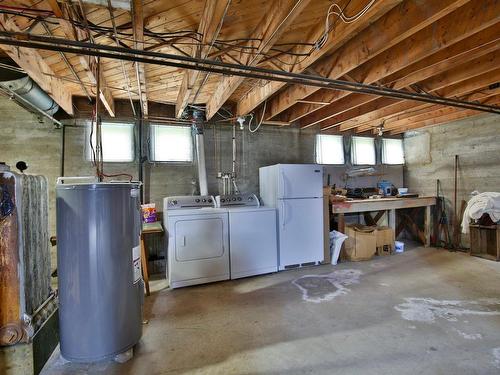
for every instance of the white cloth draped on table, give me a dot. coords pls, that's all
(488, 202)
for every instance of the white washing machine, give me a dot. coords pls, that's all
(198, 240)
(252, 235)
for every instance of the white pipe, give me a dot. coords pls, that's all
(234, 151)
(202, 171)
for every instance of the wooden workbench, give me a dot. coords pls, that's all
(383, 205)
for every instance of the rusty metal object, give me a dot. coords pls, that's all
(14, 333)
(9, 269)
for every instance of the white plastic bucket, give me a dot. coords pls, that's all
(399, 246)
(336, 241)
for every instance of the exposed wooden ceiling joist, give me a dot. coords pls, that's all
(340, 111)
(448, 48)
(372, 114)
(274, 22)
(336, 38)
(398, 24)
(431, 40)
(90, 68)
(33, 64)
(444, 116)
(209, 29)
(424, 113)
(140, 71)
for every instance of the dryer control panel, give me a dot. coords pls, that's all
(189, 201)
(237, 200)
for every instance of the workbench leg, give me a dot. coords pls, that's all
(392, 219)
(341, 229)
(427, 226)
(144, 263)
(341, 223)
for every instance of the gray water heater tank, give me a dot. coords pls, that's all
(98, 266)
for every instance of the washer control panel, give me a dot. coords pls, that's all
(190, 201)
(237, 200)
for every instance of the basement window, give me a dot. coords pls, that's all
(329, 149)
(392, 151)
(171, 144)
(363, 151)
(117, 142)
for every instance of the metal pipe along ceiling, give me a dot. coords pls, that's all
(185, 62)
(27, 89)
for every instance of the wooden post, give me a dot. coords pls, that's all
(392, 219)
(144, 263)
(427, 226)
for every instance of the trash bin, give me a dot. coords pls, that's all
(336, 241)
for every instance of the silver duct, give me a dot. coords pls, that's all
(198, 121)
(28, 90)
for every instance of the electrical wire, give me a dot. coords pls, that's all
(260, 122)
(335, 9)
(172, 39)
(125, 75)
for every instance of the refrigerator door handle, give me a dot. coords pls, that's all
(283, 210)
(282, 175)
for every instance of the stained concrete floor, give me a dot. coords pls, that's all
(426, 311)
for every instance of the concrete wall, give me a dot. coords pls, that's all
(269, 146)
(24, 137)
(430, 156)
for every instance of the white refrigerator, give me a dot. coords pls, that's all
(296, 191)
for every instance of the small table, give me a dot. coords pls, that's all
(389, 205)
(147, 228)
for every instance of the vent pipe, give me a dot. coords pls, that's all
(29, 90)
(197, 128)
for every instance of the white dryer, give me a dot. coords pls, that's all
(198, 240)
(252, 235)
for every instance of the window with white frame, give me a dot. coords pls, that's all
(117, 142)
(329, 149)
(363, 151)
(171, 144)
(392, 151)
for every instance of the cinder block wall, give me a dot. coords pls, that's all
(430, 155)
(269, 146)
(24, 137)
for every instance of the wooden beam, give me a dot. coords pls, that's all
(466, 90)
(463, 72)
(36, 67)
(69, 31)
(443, 116)
(337, 37)
(397, 25)
(419, 48)
(209, 27)
(479, 44)
(275, 21)
(140, 69)
(333, 112)
(455, 89)
(366, 116)
(423, 112)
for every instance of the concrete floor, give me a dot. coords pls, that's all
(426, 311)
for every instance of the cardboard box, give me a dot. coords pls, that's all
(361, 243)
(385, 241)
